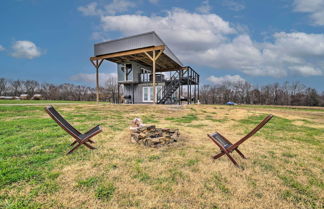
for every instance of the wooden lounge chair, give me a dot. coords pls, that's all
(79, 138)
(226, 147)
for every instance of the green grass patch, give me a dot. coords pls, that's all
(196, 125)
(105, 191)
(217, 181)
(300, 193)
(278, 125)
(184, 119)
(88, 182)
(149, 119)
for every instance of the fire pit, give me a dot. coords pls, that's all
(154, 137)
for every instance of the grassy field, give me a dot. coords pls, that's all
(284, 168)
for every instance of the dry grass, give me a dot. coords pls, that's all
(284, 168)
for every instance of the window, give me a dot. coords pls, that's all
(129, 72)
(145, 94)
(125, 72)
(148, 93)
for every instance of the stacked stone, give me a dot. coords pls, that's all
(154, 137)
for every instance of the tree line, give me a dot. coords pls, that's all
(287, 93)
(66, 91)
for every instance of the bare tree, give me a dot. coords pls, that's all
(111, 89)
(3, 86)
(31, 86)
(17, 87)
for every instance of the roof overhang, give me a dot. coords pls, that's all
(138, 48)
(163, 63)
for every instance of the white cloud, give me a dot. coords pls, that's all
(90, 9)
(233, 5)
(208, 40)
(314, 7)
(306, 70)
(25, 49)
(226, 79)
(204, 7)
(91, 77)
(1, 48)
(178, 27)
(119, 6)
(98, 36)
(116, 6)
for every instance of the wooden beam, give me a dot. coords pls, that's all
(157, 56)
(97, 64)
(130, 52)
(149, 56)
(97, 84)
(154, 90)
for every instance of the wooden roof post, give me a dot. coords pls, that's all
(154, 57)
(97, 82)
(97, 64)
(154, 90)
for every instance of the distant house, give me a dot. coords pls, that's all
(148, 70)
(7, 97)
(37, 97)
(24, 96)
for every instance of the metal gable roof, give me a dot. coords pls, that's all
(134, 42)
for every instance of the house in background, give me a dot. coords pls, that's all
(148, 70)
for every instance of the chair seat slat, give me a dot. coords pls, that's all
(224, 142)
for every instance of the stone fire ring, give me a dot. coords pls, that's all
(154, 137)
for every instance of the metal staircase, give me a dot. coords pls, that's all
(182, 77)
(169, 89)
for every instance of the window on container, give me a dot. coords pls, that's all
(145, 94)
(129, 72)
(121, 73)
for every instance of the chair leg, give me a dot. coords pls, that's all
(232, 159)
(84, 142)
(240, 153)
(218, 155)
(89, 140)
(74, 148)
(74, 143)
(88, 145)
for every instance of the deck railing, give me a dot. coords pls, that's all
(148, 78)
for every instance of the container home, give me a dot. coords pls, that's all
(148, 70)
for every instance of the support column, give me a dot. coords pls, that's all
(198, 88)
(117, 93)
(133, 99)
(97, 64)
(97, 84)
(154, 57)
(188, 86)
(154, 90)
(180, 78)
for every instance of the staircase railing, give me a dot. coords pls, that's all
(186, 76)
(172, 83)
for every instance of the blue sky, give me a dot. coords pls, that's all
(224, 40)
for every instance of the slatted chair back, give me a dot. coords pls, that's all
(254, 131)
(57, 117)
(227, 147)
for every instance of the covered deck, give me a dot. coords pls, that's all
(147, 49)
